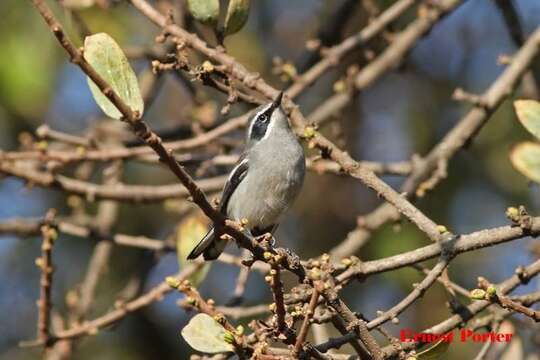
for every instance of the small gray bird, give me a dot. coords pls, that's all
(264, 182)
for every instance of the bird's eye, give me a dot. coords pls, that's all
(263, 118)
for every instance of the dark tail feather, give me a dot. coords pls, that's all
(210, 246)
(202, 245)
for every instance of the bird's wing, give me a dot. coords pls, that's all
(238, 174)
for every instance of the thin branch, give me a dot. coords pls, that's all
(333, 55)
(122, 153)
(418, 292)
(507, 303)
(458, 245)
(92, 327)
(26, 227)
(307, 319)
(44, 262)
(471, 310)
(241, 280)
(118, 192)
(354, 324)
(107, 215)
(454, 141)
(321, 166)
(513, 23)
(243, 312)
(487, 346)
(45, 132)
(393, 56)
(279, 305)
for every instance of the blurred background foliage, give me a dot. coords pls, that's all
(406, 112)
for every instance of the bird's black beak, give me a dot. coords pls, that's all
(277, 101)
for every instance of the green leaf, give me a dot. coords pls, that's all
(205, 11)
(205, 334)
(528, 113)
(188, 234)
(435, 351)
(237, 15)
(109, 61)
(525, 157)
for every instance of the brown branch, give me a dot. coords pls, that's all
(321, 166)
(449, 285)
(107, 154)
(333, 55)
(393, 56)
(340, 326)
(242, 312)
(455, 140)
(118, 192)
(107, 215)
(509, 304)
(49, 235)
(450, 246)
(398, 201)
(61, 350)
(492, 295)
(241, 281)
(45, 132)
(418, 292)
(26, 227)
(461, 244)
(354, 324)
(473, 309)
(307, 319)
(328, 34)
(513, 23)
(279, 305)
(481, 355)
(92, 327)
(454, 321)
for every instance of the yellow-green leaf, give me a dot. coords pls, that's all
(434, 352)
(237, 15)
(108, 59)
(525, 157)
(205, 11)
(78, 4)
(188, 234)
(528, 113)
(205, 334)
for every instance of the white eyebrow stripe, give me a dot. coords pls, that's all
(268, 128)
(263, 110)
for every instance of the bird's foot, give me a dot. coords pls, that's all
(266, 240)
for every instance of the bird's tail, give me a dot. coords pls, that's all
(210, 246)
